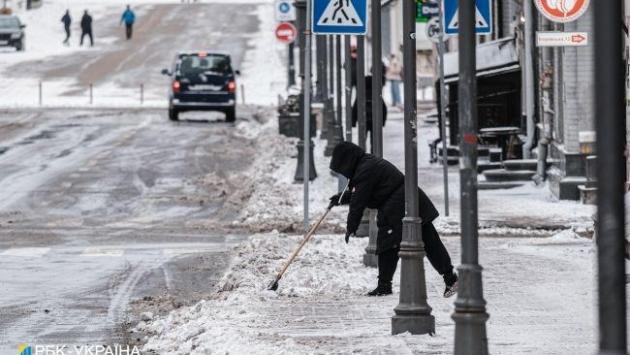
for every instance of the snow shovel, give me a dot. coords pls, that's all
(273, 286)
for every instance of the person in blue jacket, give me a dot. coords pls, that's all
(128, 17)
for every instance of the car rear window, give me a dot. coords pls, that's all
(9, 22)
(211, 63)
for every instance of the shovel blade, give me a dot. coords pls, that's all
(273, 286)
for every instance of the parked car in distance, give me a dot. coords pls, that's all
(202, 81)
(12, 32)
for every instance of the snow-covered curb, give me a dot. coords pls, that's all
(229, 322)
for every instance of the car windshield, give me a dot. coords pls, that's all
(9, 22)
(211, 63)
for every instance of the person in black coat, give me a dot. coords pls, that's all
(86, 28)
(67, 21)
(377, 184)
(368, 111)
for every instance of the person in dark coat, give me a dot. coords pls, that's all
(377, 184)
(67, 21)
(368, 111)
(86, 28)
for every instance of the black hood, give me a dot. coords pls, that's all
(345, 159)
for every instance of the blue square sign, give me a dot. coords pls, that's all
(343, 17)
(483, 17)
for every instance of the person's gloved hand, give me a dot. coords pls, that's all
(345, 199)
(334, 200)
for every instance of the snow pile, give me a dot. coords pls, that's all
(232, 321)
(275, 200)
(322, 268)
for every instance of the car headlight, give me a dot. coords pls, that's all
(16, 35)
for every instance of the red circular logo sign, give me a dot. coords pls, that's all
(562, 10)
(286, 32)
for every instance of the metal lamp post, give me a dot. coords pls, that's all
(611, 144)
(364, 227)
(413, 314)
(370, 259)
(470, 308)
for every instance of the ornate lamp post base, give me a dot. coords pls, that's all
(413, 323)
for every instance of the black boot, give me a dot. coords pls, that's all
(381, 290)
(450, 280)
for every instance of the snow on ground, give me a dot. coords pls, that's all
(320, 308)
(275, 199)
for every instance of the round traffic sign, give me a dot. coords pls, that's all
(284, 7)
(562, 10)
(286, 32)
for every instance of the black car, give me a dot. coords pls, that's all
(11, 32)
(202, 81)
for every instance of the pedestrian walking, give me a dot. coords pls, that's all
(368, 111)
(128, 17)
(393, 74)
(67, 21)
(377, 184)
(86, 28)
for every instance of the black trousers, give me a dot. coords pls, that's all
(89, 34)
(129, 28)
(436, 253)
(67, 28)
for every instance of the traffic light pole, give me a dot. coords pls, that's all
(413, 314)
(470, 308)
(611, 144)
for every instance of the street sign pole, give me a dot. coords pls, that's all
(413, 314)
(307, 110)
(339, 102)
(470, 308)
(611, 144)
(348, 86)
(305, 170)
(361, 90)
(377, 80)
(443, 100)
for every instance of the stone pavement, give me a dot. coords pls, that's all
(540, 294)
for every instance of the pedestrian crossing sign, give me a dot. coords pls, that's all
(483, 17)
(343, 17)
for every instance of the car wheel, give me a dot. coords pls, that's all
(230, 114)
(173, 114)
(20, 47)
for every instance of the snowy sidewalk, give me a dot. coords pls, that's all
(539, 293)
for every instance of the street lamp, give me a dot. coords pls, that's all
(611, 144)
(470, 308)
(413, 314)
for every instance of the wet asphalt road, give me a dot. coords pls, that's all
(106, 214)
